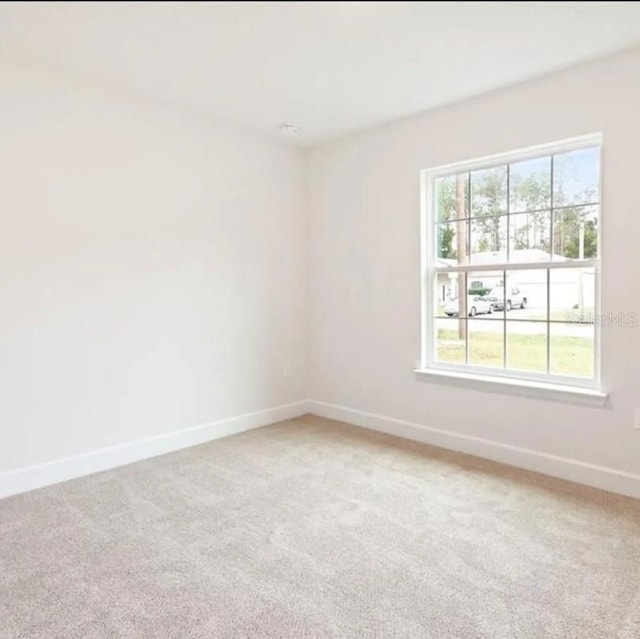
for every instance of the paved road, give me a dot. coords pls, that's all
(493, 323)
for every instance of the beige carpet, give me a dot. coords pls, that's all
(315, 529)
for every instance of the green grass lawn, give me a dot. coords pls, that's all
(569, 355)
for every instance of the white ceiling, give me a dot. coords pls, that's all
(329, 67)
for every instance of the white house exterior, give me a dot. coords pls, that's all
(570, 288)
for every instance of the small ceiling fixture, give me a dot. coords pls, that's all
(289, 129)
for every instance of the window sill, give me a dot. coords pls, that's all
(528, 388)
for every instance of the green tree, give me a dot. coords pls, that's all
(573, 226)
(449, 209)
(445, 242)
(531, 194)
(530, 223)
(488, 205)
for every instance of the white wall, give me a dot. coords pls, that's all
(364, 306)
(152, 269)
(157, 271)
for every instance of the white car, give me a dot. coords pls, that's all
(476, 304)
(515, 298)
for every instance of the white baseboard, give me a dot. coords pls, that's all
(616, 481)
(24, 479)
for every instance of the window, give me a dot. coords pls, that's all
(511, 254)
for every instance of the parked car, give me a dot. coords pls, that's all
(475, 304)
(515, 298)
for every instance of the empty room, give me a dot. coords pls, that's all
(319, 320)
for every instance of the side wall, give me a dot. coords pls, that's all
(152, 270)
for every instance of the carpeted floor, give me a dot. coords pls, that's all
(315, 529)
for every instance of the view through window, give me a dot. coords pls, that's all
(513, 264)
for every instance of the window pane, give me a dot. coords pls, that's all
(525, 296)
(575, 233)
(530, 185)
(445, 290)
(452, 301)
(530, 237)
(489, 192)
(450, 341)
(486, 343)
(452, 197)
(572, 293)
(452, 242)
(572, 349)
(576, 177)
(480, 300)
(527, 346)
(455, 302)
(489, 239)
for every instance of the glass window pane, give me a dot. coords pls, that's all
(445, 291)
(486, 343)
(525, 296)
(575, 233)
(452, 197)
(572, 293)
(530, 185)
(449, 287)
(530, 237)
(450, 341)
(572, 349)
(576, 177)
(489, 192)
(480, 301)
(454, 303)
(527, 346)
(489, 239)
(452, 242)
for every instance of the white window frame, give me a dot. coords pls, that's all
(556, 386)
